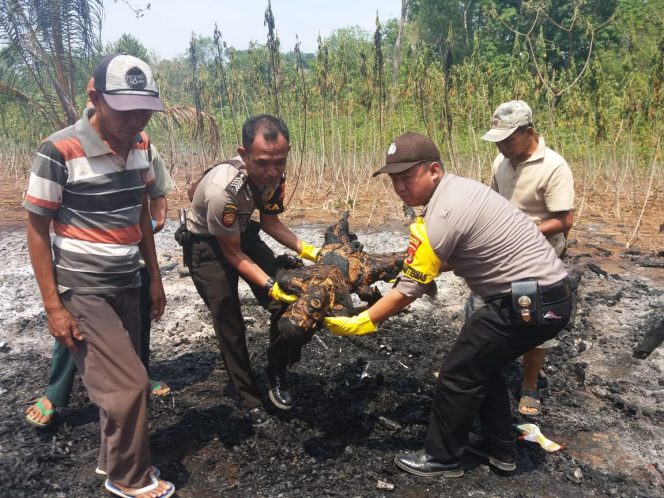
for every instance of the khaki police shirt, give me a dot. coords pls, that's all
(486, 240)
(224, 201)
(163, 183)
(540, 186)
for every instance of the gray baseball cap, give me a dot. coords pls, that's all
(507, 118)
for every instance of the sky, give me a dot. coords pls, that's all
(167, 26)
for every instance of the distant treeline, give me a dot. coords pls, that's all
(593, 71)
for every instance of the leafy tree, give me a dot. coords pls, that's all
(448, 25)
(49, 47)
(130, 45)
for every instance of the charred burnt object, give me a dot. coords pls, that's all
(325, 288)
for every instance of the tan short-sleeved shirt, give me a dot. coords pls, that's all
(163, 183)
(540, 186)
(225, 199)
(486, 240)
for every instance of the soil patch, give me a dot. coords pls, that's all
(358, 401)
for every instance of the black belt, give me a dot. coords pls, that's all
(202, 238)
(548, 295)
(556, 292)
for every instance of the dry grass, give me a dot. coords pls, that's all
(616, 195)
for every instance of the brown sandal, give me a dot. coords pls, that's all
(530, 399)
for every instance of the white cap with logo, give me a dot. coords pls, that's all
(127, 83)
(507, 118)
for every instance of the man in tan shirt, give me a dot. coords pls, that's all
(539, 182)
(468, 228)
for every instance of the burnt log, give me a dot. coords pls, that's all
(651, 340)
(325, 288)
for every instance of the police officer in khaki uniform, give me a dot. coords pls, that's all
(472, 230)
(539, 182)
(226, 246)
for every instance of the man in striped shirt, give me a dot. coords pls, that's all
(89, 180)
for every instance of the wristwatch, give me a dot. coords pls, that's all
(269, 284)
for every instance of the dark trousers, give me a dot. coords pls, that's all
(471, 383)
(217, 283)
(63, 369)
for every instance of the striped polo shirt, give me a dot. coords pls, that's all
(94, 198)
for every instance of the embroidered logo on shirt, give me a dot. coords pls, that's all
(229, 215)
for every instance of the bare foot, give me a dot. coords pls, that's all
(41, 416)
(527, 410)
(530, 404)
(162, 489)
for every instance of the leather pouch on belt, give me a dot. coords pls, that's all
(526, 301)
(183, 237)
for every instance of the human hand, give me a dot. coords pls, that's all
(350, 325)
(158, 298)
(63, 327)
(277, 292)
(309, 252)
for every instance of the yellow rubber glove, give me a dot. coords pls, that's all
(277, 293)
(350, 325)
(309, 252)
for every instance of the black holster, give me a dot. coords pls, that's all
(183, 237)
(526, 301)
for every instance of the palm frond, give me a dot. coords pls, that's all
(51, 42)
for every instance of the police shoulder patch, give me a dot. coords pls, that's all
(229, 215)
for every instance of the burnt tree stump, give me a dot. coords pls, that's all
(325, 288)
(652, 339)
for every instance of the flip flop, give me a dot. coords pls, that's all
(137, 492)
(530, 399)
(156, 386)
(155, 471)
(44, 412)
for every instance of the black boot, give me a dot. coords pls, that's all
(422, 464)
(501, 454)
(279, 387)
(257, 416)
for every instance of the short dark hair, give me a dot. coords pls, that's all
(270, 127)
